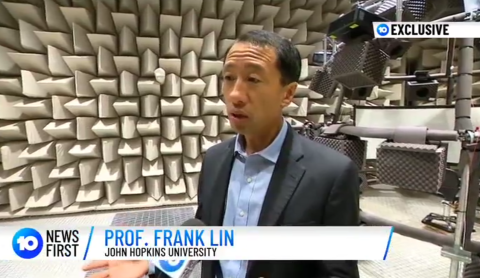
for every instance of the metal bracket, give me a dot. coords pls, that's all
(469, 137)
(456, 254)
(474, 16)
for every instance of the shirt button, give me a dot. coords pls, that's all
(249, 180)
(242, 214)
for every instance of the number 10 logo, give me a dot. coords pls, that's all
(27, 243)
(383, 30)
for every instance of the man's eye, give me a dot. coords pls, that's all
(253, 80)
(228, 78)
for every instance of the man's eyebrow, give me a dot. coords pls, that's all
(250, 66)
(227, 66)
(255, 67)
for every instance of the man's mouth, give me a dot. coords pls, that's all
(238, 115)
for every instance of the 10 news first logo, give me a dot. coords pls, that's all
(27, 243)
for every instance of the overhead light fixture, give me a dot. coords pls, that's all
(422, 88)
(359, 65)
(354, 26)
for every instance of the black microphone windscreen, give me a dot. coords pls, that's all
(193, 223)
(323, 83)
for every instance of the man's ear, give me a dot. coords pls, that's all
(289, 93)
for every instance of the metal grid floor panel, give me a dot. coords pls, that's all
(157, 217)
(403, 206)
(408, 258)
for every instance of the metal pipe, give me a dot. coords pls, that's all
(459, 237)
(448, 71)
(373, 7)
(416, 233)
(463, 100)
(473, 72)
(325, 48)
(455, 17)
(463, 105)
(337, 114)
(460, 227)
(473, 191)
(389, 133)
(401, 78)
(399, 11)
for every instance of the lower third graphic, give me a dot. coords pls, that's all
(27, 243)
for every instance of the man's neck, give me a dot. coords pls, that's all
(257, 142)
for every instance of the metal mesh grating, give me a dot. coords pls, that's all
(418, 8)
(388, 10)
(386, 6)
(158, 217)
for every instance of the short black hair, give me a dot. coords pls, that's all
(289, 62)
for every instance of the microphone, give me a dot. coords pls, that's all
(179, 268)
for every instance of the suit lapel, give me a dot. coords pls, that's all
(221, 178)
(285, 179)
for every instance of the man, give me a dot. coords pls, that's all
(268, 175)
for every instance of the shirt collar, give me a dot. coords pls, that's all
(272, 152)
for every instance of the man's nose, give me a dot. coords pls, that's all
(238, 95)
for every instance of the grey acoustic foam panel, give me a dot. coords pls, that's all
(425, 165)
(85, 126)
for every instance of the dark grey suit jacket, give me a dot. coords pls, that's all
(311, 185)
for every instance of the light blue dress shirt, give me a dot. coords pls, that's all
(248, 186)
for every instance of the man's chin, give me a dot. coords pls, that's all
(240, 128)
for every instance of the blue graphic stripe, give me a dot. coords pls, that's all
(388, 244)
(88, 244)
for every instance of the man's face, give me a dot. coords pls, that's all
(252, 87)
